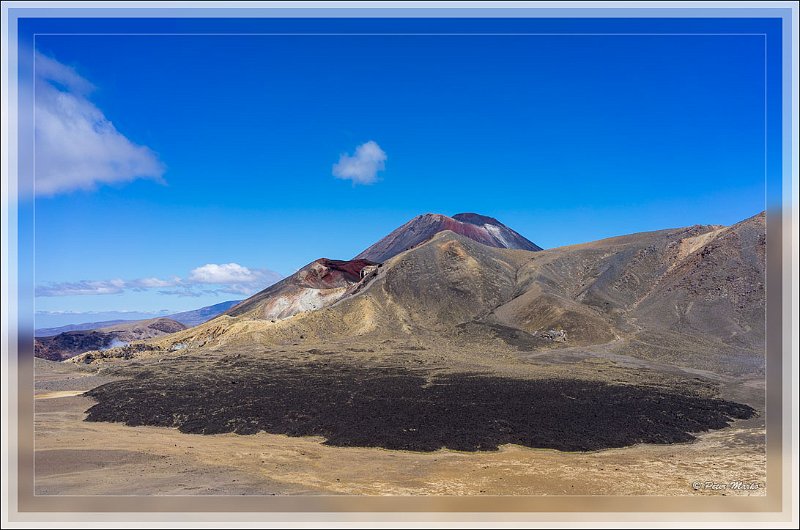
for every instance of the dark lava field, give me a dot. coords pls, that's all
(397, 408)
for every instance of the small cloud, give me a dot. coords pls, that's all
(363, 166)
(226, 273)
(144, 284)
(234, 278)
(76, 146)
(149, 283)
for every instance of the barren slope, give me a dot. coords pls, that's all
(690, 296)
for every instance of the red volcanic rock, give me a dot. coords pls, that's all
(319, 284)
(327, 273)
(485, 230)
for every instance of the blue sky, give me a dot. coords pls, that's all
(199, 168)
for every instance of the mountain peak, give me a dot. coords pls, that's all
(477, 219)
(480, 228)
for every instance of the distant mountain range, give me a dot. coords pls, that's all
(187, 318)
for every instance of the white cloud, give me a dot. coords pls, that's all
(226, 273)
(363, 166)
(229, 278)
(233, 278)
(76, 146)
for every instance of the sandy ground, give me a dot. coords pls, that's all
(83, 458)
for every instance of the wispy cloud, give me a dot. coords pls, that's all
(210, 278)
(149, 283)
(83, 287)
(187, 291)
(363, 166)
(125, 312)
(76, 146)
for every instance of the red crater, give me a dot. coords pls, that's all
(327, 273)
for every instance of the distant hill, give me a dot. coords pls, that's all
(198, 316)
(71, 343)
(188, 318)
(49, 332)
